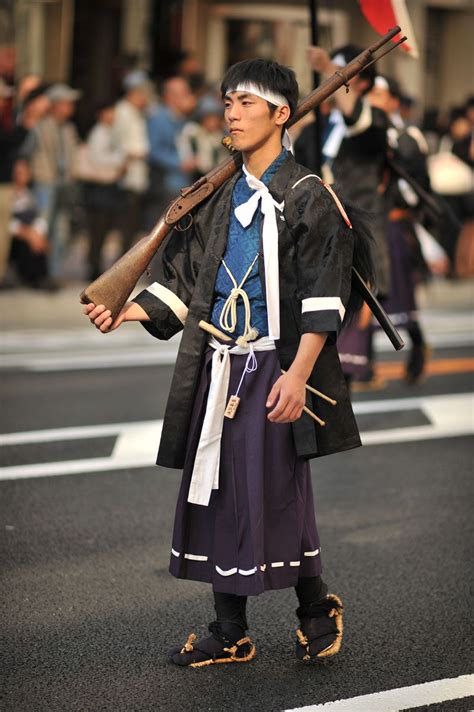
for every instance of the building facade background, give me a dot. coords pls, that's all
(90, 44)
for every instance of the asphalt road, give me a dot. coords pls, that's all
(88, 608)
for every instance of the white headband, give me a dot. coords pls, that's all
(276, 99)
(339, 60)
(381, 83)
(251, 88)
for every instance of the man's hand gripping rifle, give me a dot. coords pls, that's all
(115, 285)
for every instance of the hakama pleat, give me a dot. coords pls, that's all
(354, 349)
(400, 304)
(259, 530)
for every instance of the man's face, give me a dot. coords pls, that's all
(249, 120)
(382, 99)
(178, 96)
(63, 110)
(138, 97)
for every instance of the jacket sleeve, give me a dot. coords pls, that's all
(324, 247)
(176, 267)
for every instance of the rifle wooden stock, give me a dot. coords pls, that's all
(114, 286)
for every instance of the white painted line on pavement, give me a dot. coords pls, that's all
(402, 698)
(449, 415)
(80, 432)
(137, 442)
(46, 363)
(135, 447)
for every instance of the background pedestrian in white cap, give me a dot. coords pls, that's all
(53, 160)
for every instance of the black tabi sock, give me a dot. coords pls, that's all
(311, 590)
(230, 614)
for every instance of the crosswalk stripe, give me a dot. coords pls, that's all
(402, 698)
(137, 442)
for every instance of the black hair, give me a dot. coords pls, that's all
(350, 52)
(393, 87)
(34, 94)
(107, 103)
(267, 75)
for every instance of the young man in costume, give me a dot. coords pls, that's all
(266, 266)
(354, 147)
(414, 252)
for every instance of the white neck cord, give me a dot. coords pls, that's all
(228, 317)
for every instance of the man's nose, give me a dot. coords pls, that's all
(232, 113)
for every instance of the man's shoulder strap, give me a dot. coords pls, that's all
(339, 205)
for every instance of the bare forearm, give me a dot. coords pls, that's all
(309, 349)
(101, 317)
(321, 62)
(287, 397)
(134, 312)
(344, 100)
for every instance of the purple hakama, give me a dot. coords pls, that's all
(259, 530)
(354, 349)
(400, 305)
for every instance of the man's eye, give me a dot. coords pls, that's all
(246, 103)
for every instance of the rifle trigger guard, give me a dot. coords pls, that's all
(180, 228)
(344, 79)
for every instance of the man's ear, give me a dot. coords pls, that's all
(282, 114)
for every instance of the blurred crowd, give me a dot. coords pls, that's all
(141, 149)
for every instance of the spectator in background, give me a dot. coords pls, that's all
(168, 172)
(407, 108)
(29, 231)
(201, 140)
(106, 165)
(53, 161)
(354, 149)
(39, 97)
(189, 67)
(25, 85)
(10, 143)
(130, 136)
(463, 144)
(458, 128)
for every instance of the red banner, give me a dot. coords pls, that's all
(382, 15)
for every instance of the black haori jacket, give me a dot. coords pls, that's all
(315, 258)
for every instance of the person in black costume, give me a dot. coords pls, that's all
(266, 268)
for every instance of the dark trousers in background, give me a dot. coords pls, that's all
(104, 205)
(131, 217)
(31, 267)
(101, 222)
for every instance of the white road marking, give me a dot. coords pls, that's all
(80, 432)
(402, 698)
(137, 443)
(449, 416)
(136, 446)
(49, 350)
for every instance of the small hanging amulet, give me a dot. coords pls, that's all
(232, 406)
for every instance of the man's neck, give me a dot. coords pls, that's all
(257, 162)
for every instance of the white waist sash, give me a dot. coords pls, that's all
(205, 475)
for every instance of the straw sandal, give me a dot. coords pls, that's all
(213, 650)
(320, 633)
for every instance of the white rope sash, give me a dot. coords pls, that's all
(244, 214)
(205, 475)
